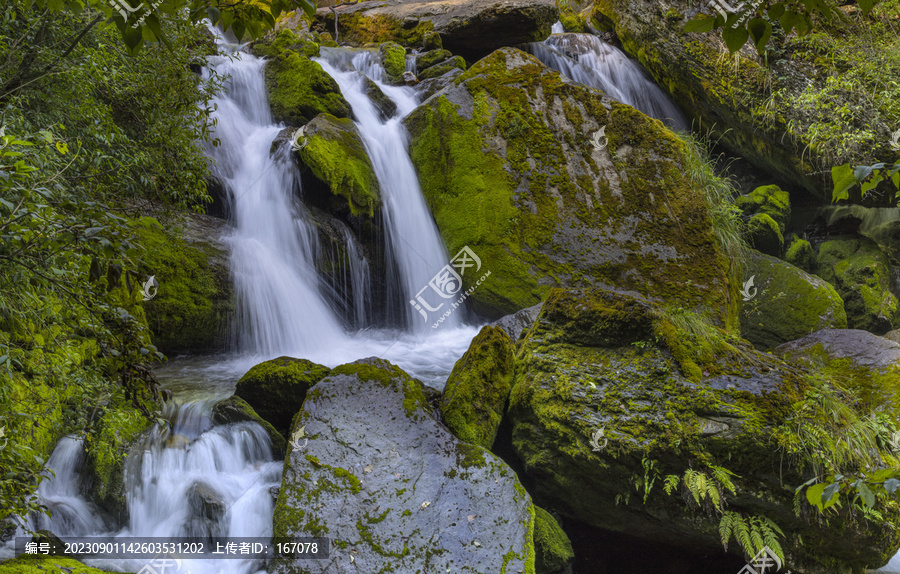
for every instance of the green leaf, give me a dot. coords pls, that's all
(866, 494)
(213, 14)
(871, 184)
(309, 7)
(760, 32)
(700, 24)
(867, 5)
(776, 11)
(829, 493)
(814, 495)
(843, 178)
(735, 38)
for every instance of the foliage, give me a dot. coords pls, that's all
(751, 532)
(867, 177)
(755, 23)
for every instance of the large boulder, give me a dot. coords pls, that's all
(785, 303)
(393, 489)
(787, 111)
(770, 200)
(276, 389)
(653, 423)
(237, 410)
(517, 323)
(862, 275)
(474, 398)
(471, 28)
(333, 150)
(508, 166)
(299, 89)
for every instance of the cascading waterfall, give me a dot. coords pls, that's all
(588, 60)
(413, 240)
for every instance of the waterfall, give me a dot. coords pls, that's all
(412, 237)
(588, 60)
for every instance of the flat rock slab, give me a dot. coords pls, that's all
(862, 347)
(393, 489)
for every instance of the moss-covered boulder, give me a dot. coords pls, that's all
(304, 43)
(438, 70)
(392, 488)
(299, 90)
(785, 303)
(862, 275)
(506, 161)
(121, 427)
(431, 57)
(193, 298)
(770, 200)
(40, 564)
(651, 422)
(553, 550)
(807, 103)
(334, 152)
(276, 389)
(393, 59)
(385, 106)
(763, 234)
(237, 410)
(474, 398)
(800, 253)
(470, 28)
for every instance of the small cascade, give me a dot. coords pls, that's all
(349, 280)
(588, 60)
(412, 237)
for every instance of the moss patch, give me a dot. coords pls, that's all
(36, 564)
(299, 90)
(236, 409)
(552, 547)
(764, 235)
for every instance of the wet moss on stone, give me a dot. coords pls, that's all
(553, 549)
(299, 90)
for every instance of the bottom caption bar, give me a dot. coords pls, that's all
(179, 548)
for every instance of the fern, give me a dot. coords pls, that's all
(670, 483)
(753, 533)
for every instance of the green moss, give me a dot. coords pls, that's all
(393, 59)
(474, 397)
(431, 57)
(439, 69)
(800, 254)
(390, 376)
(287, 39)
(359, 29)
(571, 20)
(770, 200)
(193, 299)
(764, 235)
(37, 564)
(553, 549)
(432, 41)
(861, 274)
(235, 409)
(336, 155)
(367, 537)
(120, 427)
(299, 90)
(276, 389)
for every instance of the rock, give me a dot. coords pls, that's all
(205, 502)
(56, 544)
(801, 254)
(788, 304)
(893, 336)
(430, 87)
(474, 398)
(431, 41)
(519, 322)
(782, 138)
(410, 79)
(299, 90)
(303, 43)
(862, 348)
(861, 273)
(768, 199)
(393, 488)
(193, 300)
(437, 70)
(763, 234)
(553, 550)
(393, 58)
(332, 149)
(516, 178)
(432, 57)
(385, 106)
(276, 389)
(236, 410)
(470, 28)
(615, 396)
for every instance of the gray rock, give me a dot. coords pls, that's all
(518, 322)
(393, 488)
(861, 347)
(893, 336)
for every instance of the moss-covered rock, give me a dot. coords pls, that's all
(431, 41)
(768, 199)
(801, 254)
(193, 298)
(335, 154)
(39, 564)
(506, 163)
(276, 389)
(236, 410)
(437, 70)
(393, 59)
(432, 57)
(553, 550)
(474, 398)
(763, 234)
(786, 303)
(393, 488)
(299, 90)
(861, 273)
(607, 408)
(304, 43)
(385, 106)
